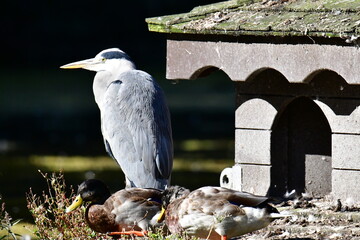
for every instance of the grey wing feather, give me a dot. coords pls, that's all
(233, 196)
(108, 149)
(136, 126)
(164, 157)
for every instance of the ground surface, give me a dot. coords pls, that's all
(313, 219)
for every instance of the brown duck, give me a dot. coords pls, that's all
(215, 212)
(128, 211)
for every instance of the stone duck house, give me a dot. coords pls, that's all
(295, 68)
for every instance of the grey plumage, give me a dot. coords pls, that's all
(135, 120)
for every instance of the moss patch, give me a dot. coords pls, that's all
(327, 18)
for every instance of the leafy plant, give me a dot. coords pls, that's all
(48, 211)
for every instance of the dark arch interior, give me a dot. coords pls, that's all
(300, 150)
(329, 85)
(265, 81)
(205, 72)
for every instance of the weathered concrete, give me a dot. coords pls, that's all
(255, 114)
(349, 123)
(318, 175)
(252, 146)
(345, 185)
(254, 122)
(346, 151)
(188, 59)
(255, 178)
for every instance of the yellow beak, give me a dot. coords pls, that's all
(75, 204)
(162, 215)
(79, 64)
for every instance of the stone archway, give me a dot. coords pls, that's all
(300, 150)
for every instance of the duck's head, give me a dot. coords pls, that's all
(170, 194)
(91, 190)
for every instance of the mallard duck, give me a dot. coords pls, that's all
(128, 211)
(215, 212)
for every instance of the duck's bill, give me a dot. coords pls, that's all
(161, 216)
(78, 64)
(75, 204)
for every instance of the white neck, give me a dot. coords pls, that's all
(109, 72)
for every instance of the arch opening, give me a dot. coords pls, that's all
(268, 76)
(205, 72)
(264, 82)
(300, 150)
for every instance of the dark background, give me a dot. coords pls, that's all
(45, 109)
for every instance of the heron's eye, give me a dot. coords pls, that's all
(103, 59)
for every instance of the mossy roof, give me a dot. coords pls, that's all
(326, 18)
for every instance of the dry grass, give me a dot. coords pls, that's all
(6, 224)
(48, 211)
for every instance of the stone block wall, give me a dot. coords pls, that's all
(269, 77)
(337, 174)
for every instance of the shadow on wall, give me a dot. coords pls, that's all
(324, 85)
(300, 150)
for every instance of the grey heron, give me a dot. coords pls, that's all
(135, 119)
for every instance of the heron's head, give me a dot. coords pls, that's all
(111, 60)
(92, 190)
